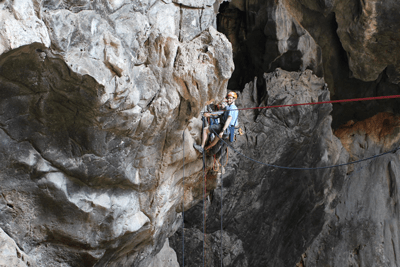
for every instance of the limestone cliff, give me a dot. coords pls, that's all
(95, 99)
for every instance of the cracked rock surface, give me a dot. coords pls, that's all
(94, 102)
(100, 104)
(351, 44)
(363, 228)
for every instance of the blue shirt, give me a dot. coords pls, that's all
(233, 112)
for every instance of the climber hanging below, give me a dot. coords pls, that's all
(226, 125)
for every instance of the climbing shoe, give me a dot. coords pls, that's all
(198, 148)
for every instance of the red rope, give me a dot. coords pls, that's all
(205, 218)
(328, 102)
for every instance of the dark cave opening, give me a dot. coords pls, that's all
(255, 53)
(232, 22)
(248, 44)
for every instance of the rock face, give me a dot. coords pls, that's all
(166, 257)
(10, 254)
(265, 36)
(344, 216)
(100, 105)
(363, 229)
(335, 39)
(367, 30)
(189, 247)
(21, 25)
(281, 209)
(94, 103)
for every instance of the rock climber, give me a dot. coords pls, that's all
(227, 123)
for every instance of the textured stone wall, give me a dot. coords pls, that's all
(274, 213)
(342, 217)
(95, 99)
(292, 34)
(363, 228)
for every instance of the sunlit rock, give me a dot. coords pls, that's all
(92, 126)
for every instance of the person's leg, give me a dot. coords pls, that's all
(213, 143)
(203, 140)
(216, 129)
(205, 136)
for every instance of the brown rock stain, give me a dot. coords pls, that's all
(383, 128)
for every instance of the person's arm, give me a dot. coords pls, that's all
(226, 125)
(212, 114)
(216, 113)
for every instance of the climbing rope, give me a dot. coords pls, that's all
(298, 168)
(205, 209)
(183, 203)
(216, 163)
(325, 102)
(222, 214)
(204, 199)
(227, 157)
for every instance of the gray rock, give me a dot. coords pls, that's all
(366, 33)
(244, 22)
(91, 129)
(95, 97)
(323, 6)
(275, 213)
(195, 3)
(20, 25)
(265, 36)
(362, 230)
(166, 257)
(10, 254)
(194, 21)
(365, 30)
(166, 18)
(193, 254)
(296, 48)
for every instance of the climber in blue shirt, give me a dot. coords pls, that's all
(228, 120)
